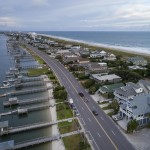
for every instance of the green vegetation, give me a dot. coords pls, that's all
(81, 76)
(59, 92)
(127, 75)
(76, 142)
(38, 72)
(88, 83)
(108, 95)
(76, 68)
(93, 88)
(132, 125)
(91, 85)
(37, 58)
(63, 111)
(65, 127)
(113, 105)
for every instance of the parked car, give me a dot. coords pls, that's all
(77, 113)
(73, 106)
(95, 112)
(81, 94)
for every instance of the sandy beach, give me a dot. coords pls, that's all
(136, 51)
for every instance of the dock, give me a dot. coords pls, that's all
(45, 139)
(29, 84)
(16, 101)
(22, 92)
(12, 130)
(20, 111)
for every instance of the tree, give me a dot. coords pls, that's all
(88, 83)
(114, 105)
(132, 125)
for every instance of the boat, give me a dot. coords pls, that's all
(6, 84)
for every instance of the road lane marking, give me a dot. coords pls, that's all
(87, 107)
(93, 139)
(113, 132)
(82, 108)
(89, 119)
(81, 119)
(99, 135)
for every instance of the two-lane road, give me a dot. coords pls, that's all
(101, 130)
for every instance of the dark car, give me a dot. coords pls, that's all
(81, 94)
(95, 112)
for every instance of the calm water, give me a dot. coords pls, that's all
(33, 117)
(137, 41)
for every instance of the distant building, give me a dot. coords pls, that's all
(69, 57)
(103, 53)
(137, 61)
(81, 60)
(61, 52)
(110, 57)
(112, 78)
(97, 68)
(84, 52)
(137, 108)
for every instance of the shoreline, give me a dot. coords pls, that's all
(127, 50)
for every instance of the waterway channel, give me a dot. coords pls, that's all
(15, 120)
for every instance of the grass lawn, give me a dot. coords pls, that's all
(40, 61)
(76, 142)
(65, 127)
(37, 72)
(63, 111)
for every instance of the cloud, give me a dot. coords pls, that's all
(39, 2)
(9, 22)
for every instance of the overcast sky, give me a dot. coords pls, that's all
(73, 15)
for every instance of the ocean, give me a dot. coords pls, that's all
(130, 41)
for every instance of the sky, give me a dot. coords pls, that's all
(75, 15)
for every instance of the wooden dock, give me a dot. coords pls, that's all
(45, 139)
(12, 130)
(26, 101)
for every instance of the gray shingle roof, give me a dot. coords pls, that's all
(145, 84)
(128, 90)
(140, 104)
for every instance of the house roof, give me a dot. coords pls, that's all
(105, 77)
(145, 84)
(137, 58)
(128, 90)
(111, 87)
(140, 104)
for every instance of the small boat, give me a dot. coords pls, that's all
(6, 84)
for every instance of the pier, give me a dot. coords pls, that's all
(33, 79)
(15, 93)
(20, 111)
(29, 84)
(45, 139)
(12, 130)
(15, 101)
